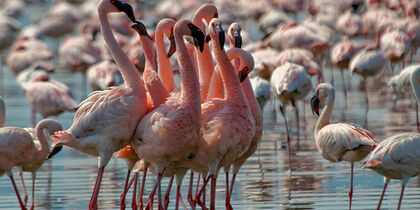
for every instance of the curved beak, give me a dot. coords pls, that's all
(55, 150)
(172, 47)
(221, 35)
(126, 8)
(315, 104)
(199, 37)
(242, 74)
(141, 29)
(237, 38)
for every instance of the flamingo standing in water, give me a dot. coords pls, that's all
(18, 148)
(290, 82)
(167, 136)
(106, 120)
(397, 157)
(103, 75)
(227, 124)
(339, 141)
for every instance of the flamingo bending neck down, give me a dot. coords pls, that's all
(339, 141)
(176, 122)
(106, 120)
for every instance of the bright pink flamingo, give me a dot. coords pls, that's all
(339, 141)
(205, 60)
(49, 98)
(176, 122)
(165, 71)
(397, 157)
(220, 142)
(18, 148)
(290, 83)
(105, 122)
(103, 75)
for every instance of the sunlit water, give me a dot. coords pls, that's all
(264, 182)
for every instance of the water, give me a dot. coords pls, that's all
(264, 182)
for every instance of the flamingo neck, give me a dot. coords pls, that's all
(415, 84)
(216, 89)
(232, 87)
(324, 118)
(128, 70)
(164, 65)
(44, 148)
(190, 91)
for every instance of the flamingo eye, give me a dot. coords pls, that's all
(190, 25)
(112, 2)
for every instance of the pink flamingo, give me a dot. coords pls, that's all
(106, 120)
(396, 157)
(395, 44)
(165, 71)
(349, 24)
(22, 57)
(220, 142)
(339, 141)
(176, 122)
(60, 20)
(103, 75)
(18, 148)
(290, 83)
(49, 98)
(205, 60)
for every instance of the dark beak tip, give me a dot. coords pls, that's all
(55, 150)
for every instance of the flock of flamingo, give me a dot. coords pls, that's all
(213, 118)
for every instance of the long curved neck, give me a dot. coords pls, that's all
(165, 71)
(232, 87)
(324, 118)
(44, 148)
(216, 89)
(189, 80)
(157, 90)
(415, 84)
(2, 113)
(128, 70)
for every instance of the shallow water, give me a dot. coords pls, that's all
(264, 182)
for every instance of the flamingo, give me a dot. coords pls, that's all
(349, 24)
(221, 142)
(164, 27)
(397, 157)
(339, 141)
(105, 121)
(290, 82)
(103, 75)
(18, 148)
(176, 122)
(404, 82)
(395, 44)
(262, 90)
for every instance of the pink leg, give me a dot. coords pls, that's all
(124, 193)
(179, 198)
(382, 195)
(297, 119)
(190, 199)
(168, 191)
(93, 204)
(142, 189)
(401, 197)
(33, 191)
(227, 202)
(25, 194)
(231, 185)
(152, 194)
(417, 117)
(133, 200)
(203, 190)
(213, 192)
(283, 111)
(159, 192)
(351, 186)
(17, 192)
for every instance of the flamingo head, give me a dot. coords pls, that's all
(141, 29)
(122, 6)
(323, 94)
(198, 36)
(216, 31)
(235, 35)
(315, 104)
(172, 47)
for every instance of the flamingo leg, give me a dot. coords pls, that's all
(16, 191)
(383, 193)
(204, 192)
(168, 191)
(283, 112)
(332, 75)
(213, 192)
(133, 200)
(417, 117)
(152, 194)
(179, 198)
(203, 189)
(401, 197)
(227, 202)
(25, 194)
(142, 189)
(124, 193)
(297, 119)
(160, 191)
(33, 118)
(344, 88)
(33, 190)
(190, 199)
(231, 185)
(351, 186)
(366, 94)
(93, 204)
